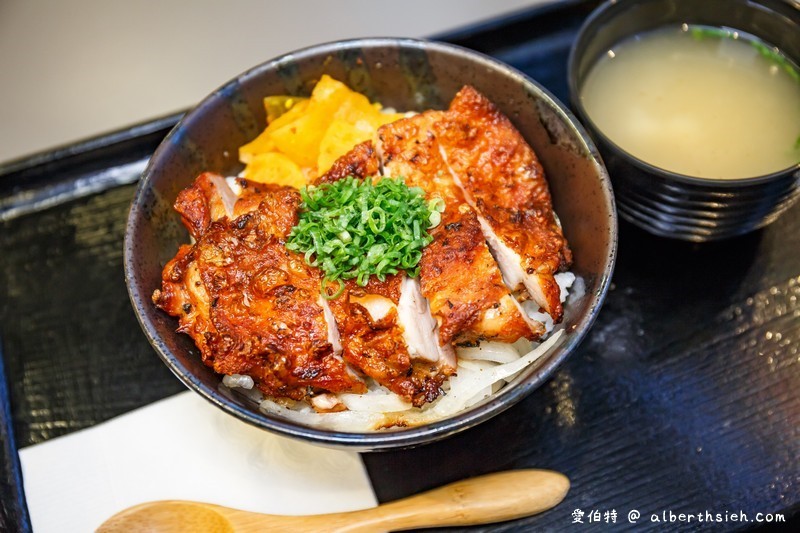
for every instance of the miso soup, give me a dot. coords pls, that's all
(699, 101)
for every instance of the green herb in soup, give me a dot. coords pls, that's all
(770, 53)
(699, 101)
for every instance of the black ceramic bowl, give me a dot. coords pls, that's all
(663, 202)
(407, 75)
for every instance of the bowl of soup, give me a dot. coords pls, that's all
(695, 107)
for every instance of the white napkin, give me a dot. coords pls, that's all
(184, 448)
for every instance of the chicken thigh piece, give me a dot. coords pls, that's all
(503, 180)
(458, 274)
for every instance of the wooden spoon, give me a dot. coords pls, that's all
(480, 500)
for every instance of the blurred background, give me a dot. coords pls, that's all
(73, 69)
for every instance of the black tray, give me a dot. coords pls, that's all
(683, 398)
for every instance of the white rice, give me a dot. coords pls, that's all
(238, 381)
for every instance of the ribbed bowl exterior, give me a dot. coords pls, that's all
(696, 209)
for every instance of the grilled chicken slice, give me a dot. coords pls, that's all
(458, 275)
(252, 306)
(386, 329)
(211, 197)
(250, 194)
(504, 181)
(207, 199)
(184, 295)
(376, 342)
(420, 329)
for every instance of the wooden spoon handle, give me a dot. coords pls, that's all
(480, 500)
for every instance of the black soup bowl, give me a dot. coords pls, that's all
(667, 203)
(409, 75)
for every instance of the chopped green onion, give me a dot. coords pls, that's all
(354, 229)
(772, 55)
(331, 295)
(701, 32)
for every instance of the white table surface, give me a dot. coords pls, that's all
(70, 69)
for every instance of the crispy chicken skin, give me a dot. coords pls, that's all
(251, 305)
(207, 199)
(376, 326)
(250, 196)
(458, 275)
(503, 179)
(373, 340)
(361, 161)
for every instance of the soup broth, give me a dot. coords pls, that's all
(698, 101)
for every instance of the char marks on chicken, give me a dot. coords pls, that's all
(254, 307)
(360, 162)
(374, 340)
(385, 327)
(251, 305)
(504, 181)
(207, 199)
(458, 274)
